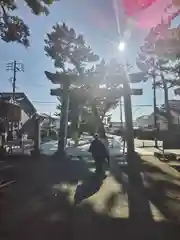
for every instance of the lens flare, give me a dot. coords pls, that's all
(121, 46)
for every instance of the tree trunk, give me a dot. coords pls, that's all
(75, 125)
(37, 136)
(100, 126)
(64, 119)
(155, 110)
(166, 102)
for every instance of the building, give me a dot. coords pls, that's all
(49, 121)
(27, 108)
(143, 121)
(27, 111)
(173, 104)
(114, 126)
(9, 111)
(28, 115)
(174, 110)
(147, 121)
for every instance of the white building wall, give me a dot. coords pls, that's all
(24, 117)
(161, 122)
(142, 122)
(148, 122)
(162, 125)
(175, 117)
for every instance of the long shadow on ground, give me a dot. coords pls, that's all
(35, 177)
(165, 196)
(88, 188)
(58, 219)
(31, 211)
(133, 185)
(163, 190)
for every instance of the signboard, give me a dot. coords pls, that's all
(136, 92)
(56, 92)
(137, 77)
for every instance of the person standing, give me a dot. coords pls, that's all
(105, 141)
(99, 153)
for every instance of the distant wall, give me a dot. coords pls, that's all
(24, 117)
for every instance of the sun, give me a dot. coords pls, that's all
(121, 46)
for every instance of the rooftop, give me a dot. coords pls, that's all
(22, 99)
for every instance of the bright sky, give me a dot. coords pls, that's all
(97, 21)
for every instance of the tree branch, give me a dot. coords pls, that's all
(5, 16)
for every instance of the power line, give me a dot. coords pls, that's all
(42, 102)
(143, 105)
(37, 85)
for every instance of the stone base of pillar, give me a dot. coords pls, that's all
(35, 153)
(60, 155)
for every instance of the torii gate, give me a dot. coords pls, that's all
(64, 82)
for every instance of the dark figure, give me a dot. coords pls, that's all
(10, 136)
(9, 139)
(19, 136)
(99, 153)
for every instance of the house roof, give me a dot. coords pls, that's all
(143, 117)
(22, 99)
(162, 112)
(175, 110)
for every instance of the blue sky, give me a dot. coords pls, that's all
(96, 20)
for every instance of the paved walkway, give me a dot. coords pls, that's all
(149, 151)
(163, 166)
(115, 147)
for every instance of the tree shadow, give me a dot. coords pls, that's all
(131, 179)
(58, 218)
(177, 167)
(35, 177)
(95, 225)
(155, 170)
(165, 196)
(54, 216)
(162, 190)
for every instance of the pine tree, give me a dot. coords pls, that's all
(12, 27)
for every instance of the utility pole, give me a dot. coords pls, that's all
(154, 101)
(155, 110)
(15, 67)
(50, 123)
(120, 106)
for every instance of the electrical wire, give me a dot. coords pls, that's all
(43, 102)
